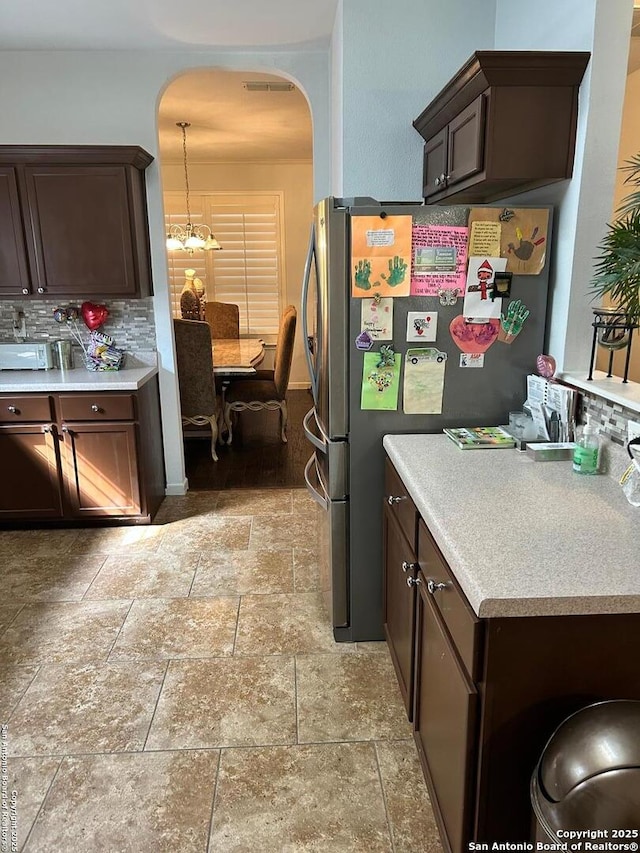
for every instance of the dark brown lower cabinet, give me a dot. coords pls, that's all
(489, 692)
(75, 456)
(32, 485)
(398, 606)
(445, 718)
(101, 469)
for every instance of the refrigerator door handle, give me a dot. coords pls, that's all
(320, 441)
(303, 308)
(315, 494)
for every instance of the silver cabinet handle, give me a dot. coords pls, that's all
(413, 582)
(443, 178)
(435, 586)
(12, 409)
(437, 182)
(95, 408)
(41, 290)
(407, 566)
(391, 500)
(65, 428)
(25, 290)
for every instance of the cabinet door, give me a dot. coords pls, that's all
(82, 230)
(444, 723)
(101, 469)
(30, 472)
(399, 600)
(435, 164)
(14, 270)
(466, 142)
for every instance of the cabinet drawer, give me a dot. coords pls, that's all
(18, 409)
(97, 407)
(402, 507)
(461, 622)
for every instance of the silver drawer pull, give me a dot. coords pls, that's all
(407, 566)
(435, 586)
(25, 290)
(391, 500)
(413, 582)
(95, 408)
(12, 409)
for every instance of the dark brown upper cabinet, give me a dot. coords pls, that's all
(506, 123)
(73, 221)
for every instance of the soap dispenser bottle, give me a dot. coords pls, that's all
(586, 457)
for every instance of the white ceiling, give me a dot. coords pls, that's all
(229, 123)
(153, 24)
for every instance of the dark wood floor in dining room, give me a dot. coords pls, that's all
(256, 458)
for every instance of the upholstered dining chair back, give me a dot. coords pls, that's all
(223, 319)
(266, 389)
(284, 350)
(194, 363)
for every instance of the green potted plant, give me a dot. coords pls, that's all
(617, 269)
(616, 279)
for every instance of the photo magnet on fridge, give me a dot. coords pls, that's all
(422, 325)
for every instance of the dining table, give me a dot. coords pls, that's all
(236, 356)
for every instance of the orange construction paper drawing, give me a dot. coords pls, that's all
(380, 255)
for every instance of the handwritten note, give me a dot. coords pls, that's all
(484, 238)
(433, 268)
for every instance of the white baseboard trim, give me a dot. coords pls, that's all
(299, 386)
(177, 488)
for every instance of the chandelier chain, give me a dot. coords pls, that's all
(184, 125)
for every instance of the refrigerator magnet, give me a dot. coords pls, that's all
(364, 341)
(377, 318)
(511, 323)
(471, 359)
(424, 381)
(380, 381)
(422, 325)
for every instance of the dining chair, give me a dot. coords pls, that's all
(266, 389)
(194, 362)
(223, 319)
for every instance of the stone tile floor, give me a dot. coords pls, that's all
(177, 688)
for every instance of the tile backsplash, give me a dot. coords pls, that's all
(130, 322)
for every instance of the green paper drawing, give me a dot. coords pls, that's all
(380, 382)
(424, 381)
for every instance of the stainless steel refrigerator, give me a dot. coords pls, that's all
(345, 473)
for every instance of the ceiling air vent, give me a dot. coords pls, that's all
(267, 86)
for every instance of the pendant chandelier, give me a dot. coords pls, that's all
(191, 237)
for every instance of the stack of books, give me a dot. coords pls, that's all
(477, 438)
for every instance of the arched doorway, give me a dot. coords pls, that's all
(250, 177)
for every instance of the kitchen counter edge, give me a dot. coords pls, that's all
(507, 572)
(77, 379)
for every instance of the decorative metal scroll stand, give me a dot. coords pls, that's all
(612, 330)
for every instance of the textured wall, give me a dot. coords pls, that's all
(130, 322)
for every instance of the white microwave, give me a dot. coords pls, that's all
(30, 356)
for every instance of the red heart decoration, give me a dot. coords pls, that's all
(93, 315)
(473, 337)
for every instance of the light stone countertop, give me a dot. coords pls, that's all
(524, 538)
(77, 379)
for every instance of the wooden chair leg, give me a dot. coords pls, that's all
(283, 420)
(227, 422)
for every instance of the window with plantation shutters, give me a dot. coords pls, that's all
(248, 269)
